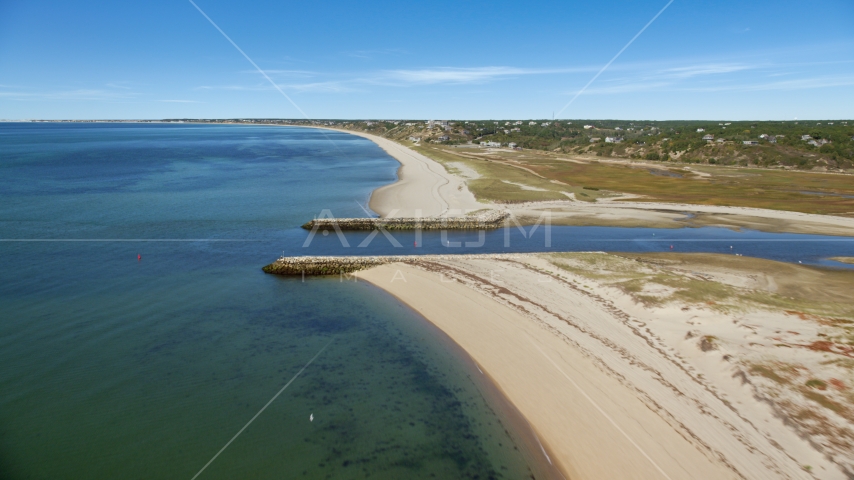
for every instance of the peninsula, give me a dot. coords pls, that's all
(634, 365)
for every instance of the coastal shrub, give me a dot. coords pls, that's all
(652, 156)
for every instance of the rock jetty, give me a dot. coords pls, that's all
(312, 266)
(486, 221)
(316, 265)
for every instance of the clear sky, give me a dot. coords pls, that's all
(760, 59)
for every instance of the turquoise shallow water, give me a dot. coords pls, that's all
(112, 367)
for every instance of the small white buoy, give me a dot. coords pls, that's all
(799, 261)
(311, 418)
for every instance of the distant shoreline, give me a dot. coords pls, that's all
(423, 187)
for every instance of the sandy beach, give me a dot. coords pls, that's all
(424, 186)
(617, 389)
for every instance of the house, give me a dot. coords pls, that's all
(708, 137)
(518, 122)
(490, 144)
(613, 139)
(720, 140)
(618, 128)
(699, 130)
(806, 137)
(595, 139)
(728, 123)
(750, 142)
(444, 138)
(517, 129)
(819, 142)
(771, 139)
(531, 124)
(506, 132)
(511, 145)
(588, 127)
(545, 124)
(415, 139)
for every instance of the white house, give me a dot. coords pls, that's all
(701, 130)
(511, 145)
(806, 137)
(532, 123)
(588, 127)
(545, 124)
(415, 139)
(708, 137)
(595, 139)
(720, 140)
(750, 142)
(613, 139)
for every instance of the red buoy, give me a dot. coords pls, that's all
(138, 257)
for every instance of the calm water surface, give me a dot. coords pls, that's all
(112, 367)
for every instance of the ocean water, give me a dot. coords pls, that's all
(138, 334)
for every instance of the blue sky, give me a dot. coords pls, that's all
(763, 60)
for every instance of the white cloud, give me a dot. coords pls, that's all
(235, 87)
(456, 75)
(323, 87)
(705, 69)
(118, 85)
(285, 73)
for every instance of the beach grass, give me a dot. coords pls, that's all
(807, 192)
(657, 279)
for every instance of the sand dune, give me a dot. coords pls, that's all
(611, 387)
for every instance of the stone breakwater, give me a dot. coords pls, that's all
(314, 266)
(486, 221)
